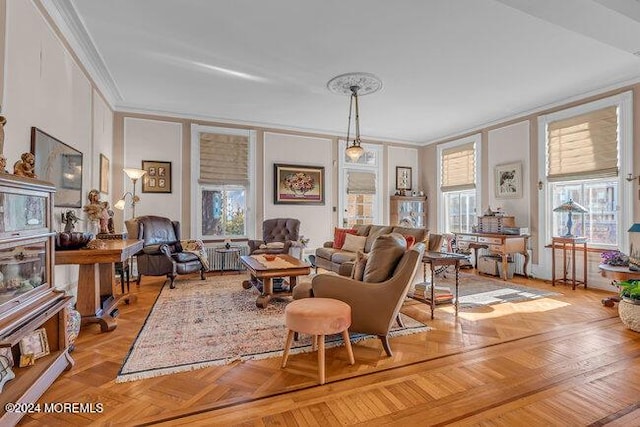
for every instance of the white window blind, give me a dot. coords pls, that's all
(584, 145)
(224, 159)
(361, 182)
(458, 168)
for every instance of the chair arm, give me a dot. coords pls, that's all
(327, 244)
(254, 245)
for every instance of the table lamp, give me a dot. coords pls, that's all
(570, 207)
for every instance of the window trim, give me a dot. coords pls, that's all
(624, 103)
(196, 194)
(476, 139)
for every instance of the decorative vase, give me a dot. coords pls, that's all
(629, 311)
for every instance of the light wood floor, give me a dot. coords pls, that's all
(562, 360)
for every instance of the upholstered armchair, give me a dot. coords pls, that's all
(374, 306)
(162, 252)
(278, 234)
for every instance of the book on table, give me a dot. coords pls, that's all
(442, 294)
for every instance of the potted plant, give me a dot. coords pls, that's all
(629, 307)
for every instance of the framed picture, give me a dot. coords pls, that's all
(35, 343)
(158, 177)
(403, 178)
(59, 164)
(508, 181)
(298, 184)
(104, 174)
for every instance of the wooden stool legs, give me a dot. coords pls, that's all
(318, 341)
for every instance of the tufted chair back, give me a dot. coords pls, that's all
(280, 229)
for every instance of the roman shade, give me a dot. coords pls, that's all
(224, 159)
(361, 182)
(583, 146)
(459, 168)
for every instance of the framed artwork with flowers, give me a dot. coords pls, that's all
(298, 184)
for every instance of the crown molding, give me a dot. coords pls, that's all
(66, 18)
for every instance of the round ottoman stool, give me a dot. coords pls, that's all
(317, 317)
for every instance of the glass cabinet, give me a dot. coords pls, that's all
(407, 211)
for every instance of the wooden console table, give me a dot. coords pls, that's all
(500, 244)
(96, 279)
(564, 243)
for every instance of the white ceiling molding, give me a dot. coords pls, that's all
(65, 17)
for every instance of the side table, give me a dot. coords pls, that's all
(616, 274)
(435, 259)
(234, 251)
(568, 243)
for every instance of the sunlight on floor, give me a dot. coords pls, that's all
(498, 310)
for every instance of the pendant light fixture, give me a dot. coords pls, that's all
(354, 85)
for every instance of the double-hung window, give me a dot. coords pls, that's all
(360, 200)
(583, 150)
(222, 161)
(458, 185)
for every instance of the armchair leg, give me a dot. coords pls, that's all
(138, 279)
(399, 320)
(172, 277)
(385, 344)
(202, 273)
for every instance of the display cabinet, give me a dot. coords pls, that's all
(408, 211)
(28, 300)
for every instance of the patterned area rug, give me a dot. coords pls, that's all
(200, 324)
(480, 290)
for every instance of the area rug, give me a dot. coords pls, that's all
(479, 290)
(215, 322)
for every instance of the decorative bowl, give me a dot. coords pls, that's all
(69, 240)
(269, 257)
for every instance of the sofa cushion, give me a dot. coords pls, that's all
(362, 230)
(374, 232)
(326, 253)
(359, 265)
(185, 257)
(353, 243)
(339, 235)
(340, 257)
(384, 256)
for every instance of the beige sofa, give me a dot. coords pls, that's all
(341, 262)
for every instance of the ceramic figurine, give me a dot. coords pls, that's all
(25, 166)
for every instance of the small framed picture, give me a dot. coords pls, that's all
(158, 176)
(35, 343)
(508, 181)
(403, 178)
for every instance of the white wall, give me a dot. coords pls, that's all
(315, 220)
(402, 156)
(508, 145)
(153, 140)
(102, 144)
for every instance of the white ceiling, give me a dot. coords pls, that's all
(447, 65)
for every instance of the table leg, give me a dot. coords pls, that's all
(553, 264)
(505, 266)
(293, 281)
(267, 291)
(526, 262)
(573, 266)
(433, 282)
(457, 304)
(564, 263)
(93, 280)
(584, 260)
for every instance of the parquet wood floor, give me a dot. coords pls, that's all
(562, 360)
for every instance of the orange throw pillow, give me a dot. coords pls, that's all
(411, 240)
(339, 235)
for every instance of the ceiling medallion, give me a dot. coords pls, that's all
(365, 82)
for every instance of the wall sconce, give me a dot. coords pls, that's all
(134, 175)
(630, 177)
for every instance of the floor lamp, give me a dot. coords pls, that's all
(134, 175)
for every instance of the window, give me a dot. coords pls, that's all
(222, 178)
(458, 183)
(360, 201)
(583, 151)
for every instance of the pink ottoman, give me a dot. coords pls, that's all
(318, 317)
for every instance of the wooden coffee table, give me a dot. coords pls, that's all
(264, 273)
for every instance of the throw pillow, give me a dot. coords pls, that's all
(339, 235)
(358, 268)
(353, 243)
(275, 245)
(384, 256)
(410, 241)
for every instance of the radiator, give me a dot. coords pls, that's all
(220, 261)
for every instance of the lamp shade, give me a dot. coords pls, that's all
(120, 204)
(354, 152)
(571, 206)
(635, 228)
(133, 173)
